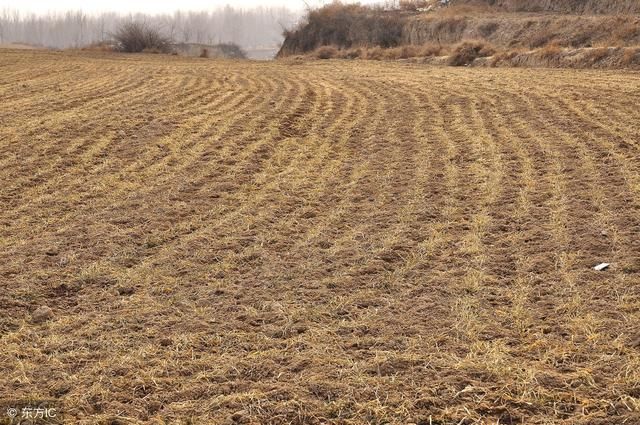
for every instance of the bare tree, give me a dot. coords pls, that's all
(252, 28)
(136, 36)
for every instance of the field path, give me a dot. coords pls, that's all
(344, 242)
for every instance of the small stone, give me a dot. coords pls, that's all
(42, 314)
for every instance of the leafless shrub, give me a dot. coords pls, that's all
(136, 37)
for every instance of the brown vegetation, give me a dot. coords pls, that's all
(216, 242)
(344, 26)
(550, 51)
(524, 31)
(585, 7)
(379, 53)
(465, 53)
(555, 56)
(631, 57)
(326, 52)
(137, 37)
(478, 53)
(349, 27)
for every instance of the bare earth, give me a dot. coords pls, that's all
(339, 242)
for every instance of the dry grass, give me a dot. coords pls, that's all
(379, 53)
(326, 52)
(469, 31)
(103, 46)
(509, 30)
(550, 51)
(596, 55)
(631, 57)
(465, 53)
(555, 56)
(324, 242)
(586, 7)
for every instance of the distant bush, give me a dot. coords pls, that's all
(430, 49)
(344, 26)
(503, 57)
(466, 52)
(231, 51)
(408, 51)
(136, 37)
(376, 53)
(353, 53)
(326, 52)
(549, 52)
(631, 56)
(412, 51)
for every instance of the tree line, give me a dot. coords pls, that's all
(250, 28)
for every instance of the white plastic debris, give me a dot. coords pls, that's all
(601, 267)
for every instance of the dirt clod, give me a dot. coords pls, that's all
(42, 314)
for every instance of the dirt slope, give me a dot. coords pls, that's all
(336, 242)
(611, 7)
(522, 30)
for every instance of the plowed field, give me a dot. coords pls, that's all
(339, 242)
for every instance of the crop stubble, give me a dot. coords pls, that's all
(342, 242)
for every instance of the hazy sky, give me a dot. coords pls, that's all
(149, 6)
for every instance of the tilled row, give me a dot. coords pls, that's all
(343, 242)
